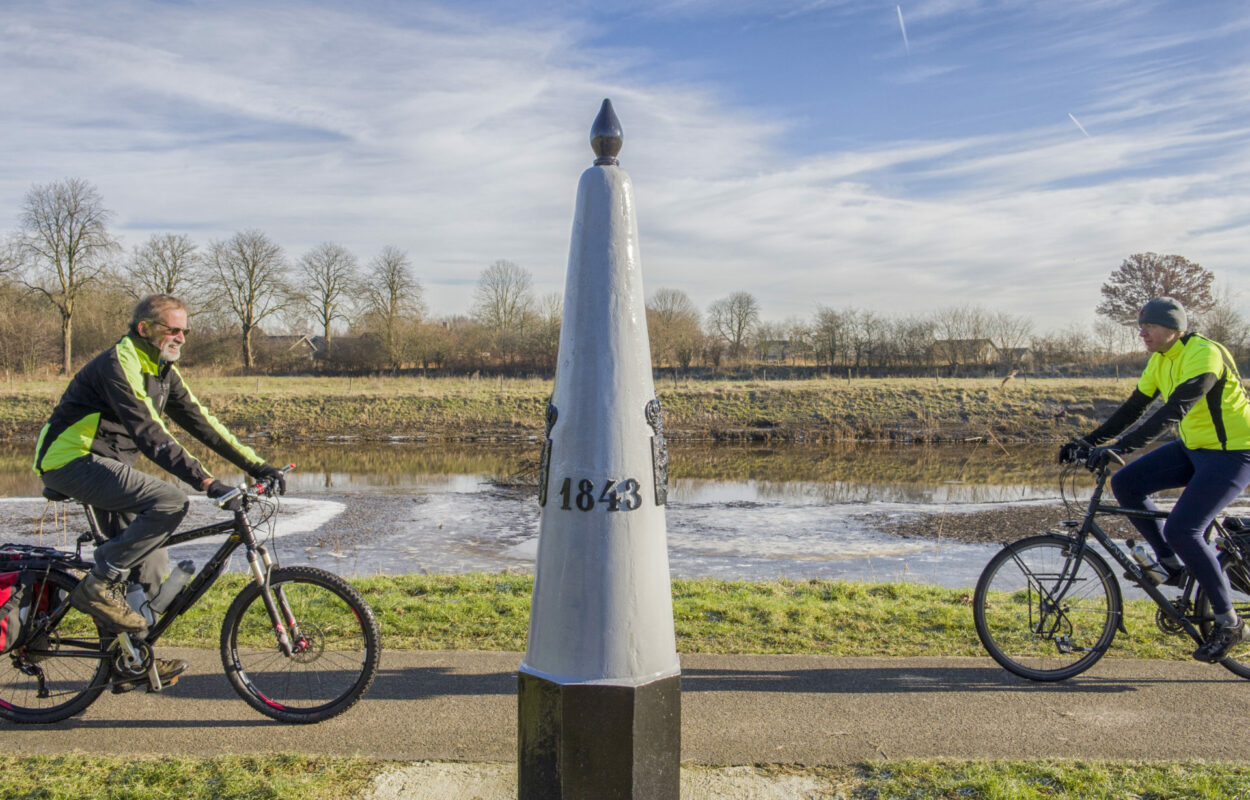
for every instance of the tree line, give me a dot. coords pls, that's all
(67, 285)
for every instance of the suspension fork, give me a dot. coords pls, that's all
(279, 609)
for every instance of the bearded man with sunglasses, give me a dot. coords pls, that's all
(110, 414)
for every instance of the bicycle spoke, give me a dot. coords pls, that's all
(1043, 614)
(334, 646)
(61, 670)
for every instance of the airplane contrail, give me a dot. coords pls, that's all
(1079, 125)
(903, 28)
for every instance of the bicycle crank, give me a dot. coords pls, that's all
(1166, 623)
(133, 659)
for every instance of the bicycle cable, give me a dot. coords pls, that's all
(268, 506)
(1067, 488)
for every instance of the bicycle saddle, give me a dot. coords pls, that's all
(55, 496)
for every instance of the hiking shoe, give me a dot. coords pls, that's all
(106, 601)
(167, 671)
(1220, 641)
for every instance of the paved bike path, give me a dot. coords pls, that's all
(461, 706)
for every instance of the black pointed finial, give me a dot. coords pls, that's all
(605, 135)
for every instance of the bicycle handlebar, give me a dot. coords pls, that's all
(1080, 455)
(259, 488)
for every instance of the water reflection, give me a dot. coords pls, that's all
(734, 512)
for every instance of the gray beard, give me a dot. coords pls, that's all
(170, 353)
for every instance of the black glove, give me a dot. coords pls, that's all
(1070, 452)
(1099, 456)
(272, 476)
(218, 489)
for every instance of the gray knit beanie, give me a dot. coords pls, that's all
(1163, 311)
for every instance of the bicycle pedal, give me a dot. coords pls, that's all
(154, 679)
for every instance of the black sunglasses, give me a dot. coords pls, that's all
(174, 331)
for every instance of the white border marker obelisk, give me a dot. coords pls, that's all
(599, 691)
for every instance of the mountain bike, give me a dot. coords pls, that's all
(1047, 607)
(298, 644)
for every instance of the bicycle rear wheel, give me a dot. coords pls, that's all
(335, 641)
(57, 673)
(1238, 572)
(1043, 614)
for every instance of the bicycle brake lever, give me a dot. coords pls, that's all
(263, 487)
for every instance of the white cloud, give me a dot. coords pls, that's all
(461, 139)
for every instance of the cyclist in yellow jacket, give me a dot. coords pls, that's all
(110, 414)
(1202, 393)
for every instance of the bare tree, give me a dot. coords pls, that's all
(830, 335)
(503, 303)
(329, 278)
(960, 335)
(1112, 338)
(1144, 276)
(9, 258)
(27, 332)
(1070, 347)
(732, 319)
(549, 315)
(673, 328)
(1223, 323)
(1008, 333)
(249, 272)
(392, 300)
(914, 337)
(167, 263)
(64, 244)
(867, 329)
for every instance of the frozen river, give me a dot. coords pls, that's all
(749, 513)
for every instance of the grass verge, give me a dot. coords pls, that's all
(480, 611)
(81, 777)
(1027, 780)
(78, 777)
(818, 409)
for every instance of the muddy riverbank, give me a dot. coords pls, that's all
(817, 410)
(997, 525)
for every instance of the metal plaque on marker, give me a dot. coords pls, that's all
(544, 464)
(659, 451)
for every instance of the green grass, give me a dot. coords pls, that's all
(80, 777)
(819, 409)
(280, 777)
(480, 611)
(1030, 780)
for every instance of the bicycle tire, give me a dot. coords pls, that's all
(1017, 622)
(74, 677)
(1238, 572)
(338, 641)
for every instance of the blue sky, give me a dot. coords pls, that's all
(805, 151)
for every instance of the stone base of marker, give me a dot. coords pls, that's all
(593, 741)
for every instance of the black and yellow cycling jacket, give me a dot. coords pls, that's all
(113, 408)
(1201, 390)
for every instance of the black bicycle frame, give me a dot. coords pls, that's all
(1091, 527)
(240, 530)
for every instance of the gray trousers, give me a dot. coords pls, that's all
(140, 512)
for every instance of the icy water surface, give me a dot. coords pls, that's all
(733, 512)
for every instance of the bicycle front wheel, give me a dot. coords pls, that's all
(1044, 614)
(1238, 573)
(56, 672)
(334, 643)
